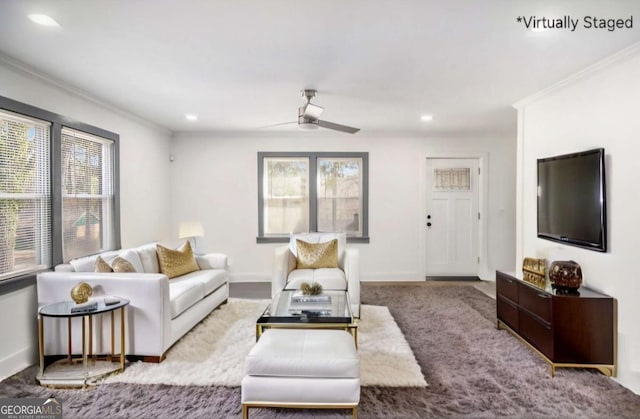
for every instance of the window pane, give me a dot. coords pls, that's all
(25, 195)
(340, 195)
(286, 195)
(87, 194)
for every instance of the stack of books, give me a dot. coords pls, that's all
(299, 297)
(310, 304)
(85, 307)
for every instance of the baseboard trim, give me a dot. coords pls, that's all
(364, 277)
(392, 277)
(18, 361)
(249, 277)
(453, 278)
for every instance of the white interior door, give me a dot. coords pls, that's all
(453, 217)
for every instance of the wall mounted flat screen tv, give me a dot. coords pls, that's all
(572, 199)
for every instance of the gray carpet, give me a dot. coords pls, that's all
(473, 370)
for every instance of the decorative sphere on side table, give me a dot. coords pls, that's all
(81, 293)
(565, 276)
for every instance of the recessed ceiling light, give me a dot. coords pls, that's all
(191, 117)
(44, 20)
(426, 118)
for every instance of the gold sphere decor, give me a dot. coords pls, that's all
(81, 293)
(311, 289)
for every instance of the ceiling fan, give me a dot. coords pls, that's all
(309, 113)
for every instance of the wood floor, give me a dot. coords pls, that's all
(262, 290)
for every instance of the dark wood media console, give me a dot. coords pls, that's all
(567, 331)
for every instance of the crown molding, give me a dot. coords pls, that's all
(75, 91)
(417, 134)
(589, 71)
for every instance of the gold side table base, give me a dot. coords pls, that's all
(61, 374)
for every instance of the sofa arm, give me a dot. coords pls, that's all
(148, 313)
(212, 261)
(284, 263)
(352, 272)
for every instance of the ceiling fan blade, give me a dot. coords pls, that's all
(338, 127)
(312, 111)
(277, 125)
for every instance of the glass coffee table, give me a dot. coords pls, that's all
(290, 309)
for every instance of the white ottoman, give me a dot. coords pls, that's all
(302, 368)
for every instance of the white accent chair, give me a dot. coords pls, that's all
(345, 277)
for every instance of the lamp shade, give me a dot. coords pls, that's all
(189, 229)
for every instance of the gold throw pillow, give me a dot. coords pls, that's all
(122, 265)
(176, 262)
(317, 255)
(102, 266)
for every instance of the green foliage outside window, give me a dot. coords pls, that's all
(17, 170)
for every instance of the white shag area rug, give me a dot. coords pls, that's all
(214, 352)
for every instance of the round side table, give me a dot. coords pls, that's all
(79, 371)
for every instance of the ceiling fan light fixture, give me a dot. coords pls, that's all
(313, 111)
(44, 20)
(308, 126)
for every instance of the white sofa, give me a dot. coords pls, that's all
(160, 312)
(345, 277)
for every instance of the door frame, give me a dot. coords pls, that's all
(483, 188)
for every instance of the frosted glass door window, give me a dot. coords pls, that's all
(452, 179)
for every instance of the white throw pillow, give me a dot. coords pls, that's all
(85, 264)
(149, 258)
(132, 257)
(88, 263)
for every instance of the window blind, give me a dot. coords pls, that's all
(88, 200)
(339, 195)
(25, 194)
(286, 195)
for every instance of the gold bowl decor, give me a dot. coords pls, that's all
(81, 293)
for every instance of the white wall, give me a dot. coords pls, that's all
(597, 108)
(145, 201)
(214, 180)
